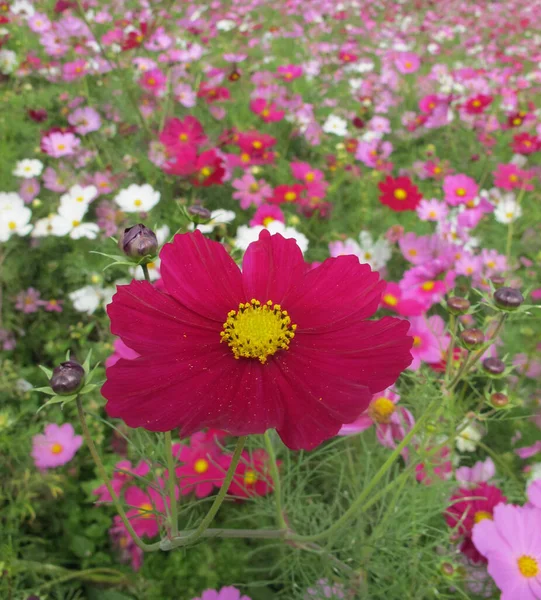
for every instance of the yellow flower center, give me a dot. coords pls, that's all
(290, 196)
(53, 302)
(245, 157)
(145, 511)
(27, 168)
(460, 192)
(517, 121)
(205, 171)
(432, 215)
(390, 299)
(265, 113)
(137, 202)
(103, 184)
(151, 81)
(513, 178)
(57, 448)
(257, 144)
(381, 409)
(250, 477)
(183, 137)
(400, 194)
(309, 177)
(123, 542)
(61, 147)
(481, 515)
(12, 225)
(476, 103)
(417, 341)
(258, 330)
(254, 187)
(201, 466)
(437, 170)
(79, 199)
(76, 223)
(267, 221)
(509, 215)
(528, 566)
(428, 286)
(412, 252)
(408, 65)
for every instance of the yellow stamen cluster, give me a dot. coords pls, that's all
(481, 515)
(528, 566)
(258, 330)
(381, 409)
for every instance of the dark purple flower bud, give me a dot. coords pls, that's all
(199, 212)
(67, 378)
(457, 305)
(447, 569)
(499, 400)
(472, 337)
(498, 281)
(138, 241)
(493, 366)
(508, 298)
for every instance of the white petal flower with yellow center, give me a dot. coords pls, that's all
(79, 195)
(28, 168)
(137, 198)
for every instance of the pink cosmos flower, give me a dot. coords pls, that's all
(122, 475)
(122, 540)
(289, 72)
(429, 341)
(121, 351)
(147, 509)
(29, 189)
(85, 120)
(423, 281)
(513, 550)
(185, 95)
(74, 70)
(407, 62)
(39, 23)
(396, 300)
(481, 472)
(534, 494)
(266, 214)
(432, 210)
(529, 451)
(440, 465)
(56, 447)
(200, 471)
(510, 177)
(53, 305)
(226, 593)
(28, 301)
(306, 173)
(153, 81)
(459, 189)
(59, 144)
(266, 110)
(529, 366)
(250, 191)
(252, 476)
(373, 153)
(178, 134)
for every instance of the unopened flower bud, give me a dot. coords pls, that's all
(457, 305)
(498, 281)
(138, 241)
(493, 366)
(199, 212)
(508, 298)
(67, 378)
(499, 400)
(447, 569)
(472, 337)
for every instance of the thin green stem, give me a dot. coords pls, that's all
(275, 474)
(355, 507)
(172, 483)
(453, 322)
(193, 536)
(145, 272)
(103, 474)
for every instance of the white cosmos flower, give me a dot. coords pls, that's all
(22, 7)
(88, 298)
(246, 235)
(162, 234)
(466, 440)
(79, 195)
(44, 227)
(508, 210)
(335, 125)
(28, 168)
(69, 221)
(8, 61)
(376, 254)
(217, 217)
(225, 25)
(15, 221)
(137, 198)
(10, 201)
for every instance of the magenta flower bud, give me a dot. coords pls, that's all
(493, 366)
(472, 337)
(508, 298)
(138, 241)
(67, 378)
(457, 305)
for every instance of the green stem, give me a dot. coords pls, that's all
(453, 322)
(97, 575)
(103, 474)
(172, 483)
(194, 535)
(145, 272)
(275, 474)
(358, 502)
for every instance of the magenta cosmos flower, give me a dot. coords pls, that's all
(56, 447)
(226, 593)
(272, 346)
(512, 545)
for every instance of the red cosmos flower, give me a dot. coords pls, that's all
(351, 145)
(266, 110)
(524, 143)
(148, 508)
(270, 346)
(37, 114)
(213, 94)
(287, 194)
(477, 104)
(468, 507)
(205, 169)
(516, 119)
(135, 38)
(399, 194)
(252, 476)
(347, 57)
(177, 134)
(255, 148)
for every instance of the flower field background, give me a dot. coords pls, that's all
(269, 300)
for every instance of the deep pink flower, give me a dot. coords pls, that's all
(440, 466)
(122, 475)
(304, 372)
(252, 476)
(147, 509)
(396, 300)
(74, 70)
(53, 305)
(200, 472)
(513, 549)
(153, 81)
(226, 593)
(251, 191)
(121, 351)
(429, 342)
(510, 177)
(177, 134)
(289, 72)
(128, 549)
(306, 173)
(56, 447)
(459, 189)
(266, 110)
(266, 214)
